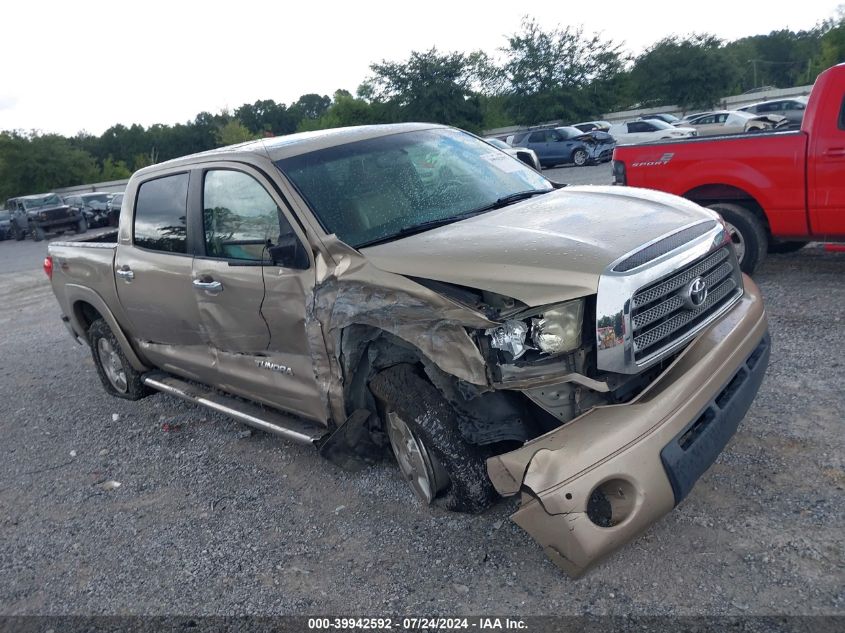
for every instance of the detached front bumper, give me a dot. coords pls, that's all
(593, 484)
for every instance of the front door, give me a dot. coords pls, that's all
(153, 279)
(250, 281)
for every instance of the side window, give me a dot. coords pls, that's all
(842, 115)
(160, 214)
(537, 137)
(241, 220)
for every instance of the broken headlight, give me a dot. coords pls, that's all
(558, 329)
(553, 330)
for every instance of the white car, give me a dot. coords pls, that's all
(527, 156)
(733, 122)
(651, 130)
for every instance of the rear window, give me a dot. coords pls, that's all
(160, 214)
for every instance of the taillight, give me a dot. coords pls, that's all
(48, 266)
(619, 176)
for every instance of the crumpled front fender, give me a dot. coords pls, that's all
(593, 484)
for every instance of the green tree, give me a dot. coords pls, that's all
(35, 163)
(234, 132)
(560, 73)
(428, 86)
(689, 72)
(114, 170)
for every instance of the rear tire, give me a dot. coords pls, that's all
(118, 377)
(18, 233)
(747, 234)
(434, 425)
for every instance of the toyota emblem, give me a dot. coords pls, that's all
(696, 293)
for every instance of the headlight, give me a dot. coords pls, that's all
(558, 329)
(554, 330)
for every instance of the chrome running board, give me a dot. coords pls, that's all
(254, 415)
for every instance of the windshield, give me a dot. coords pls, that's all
(45, 201)
(373, 190)
(569, 132)
(100, 197)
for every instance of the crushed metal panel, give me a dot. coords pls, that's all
(350, 290)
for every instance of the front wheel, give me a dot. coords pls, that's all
(747, 234)
(81, 225)
(423, 431)
(579, 157)
(38, 233)
(116, 373)
(18, 233)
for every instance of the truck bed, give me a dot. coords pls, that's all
(767, 166)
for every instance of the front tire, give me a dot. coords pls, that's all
(747, 234)
(38, 233)
(81, 225)
(116, 373)
(435, 456)
(579, 157)
(18, 233)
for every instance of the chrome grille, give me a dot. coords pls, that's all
(661, 313)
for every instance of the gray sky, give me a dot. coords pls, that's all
(86, 65)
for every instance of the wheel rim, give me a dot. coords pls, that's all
(580, 157)
(738, 241)
(422, 470)
(112, 365)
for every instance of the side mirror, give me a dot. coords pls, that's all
(289, 253)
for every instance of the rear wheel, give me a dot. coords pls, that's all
(747, 234)
(423, 431)
(18, 233)
(116, 373)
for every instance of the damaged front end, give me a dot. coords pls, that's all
(596, 482)
(599, 144)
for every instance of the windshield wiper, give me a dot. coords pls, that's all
(413, 229)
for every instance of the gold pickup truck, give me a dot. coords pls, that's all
(411, 286)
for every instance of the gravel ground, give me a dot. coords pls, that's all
(211, 520)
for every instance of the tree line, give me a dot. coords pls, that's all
(540, 74)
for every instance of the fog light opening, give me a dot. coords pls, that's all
(611, 503)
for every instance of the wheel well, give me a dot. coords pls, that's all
(714, 194)
(86, 314)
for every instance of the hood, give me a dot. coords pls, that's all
(543, 250)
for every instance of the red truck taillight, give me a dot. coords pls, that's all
(619, 176)
(48, 266)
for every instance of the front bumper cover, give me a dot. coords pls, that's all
(625, 466)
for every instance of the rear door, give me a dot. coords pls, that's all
(538, 141)
(153, 278)
(251, 276)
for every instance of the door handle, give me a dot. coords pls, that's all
(125, 273)
(210, 287)
(835, 152)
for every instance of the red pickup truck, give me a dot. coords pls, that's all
(776, 191)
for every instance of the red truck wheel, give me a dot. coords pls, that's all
(747, 234)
